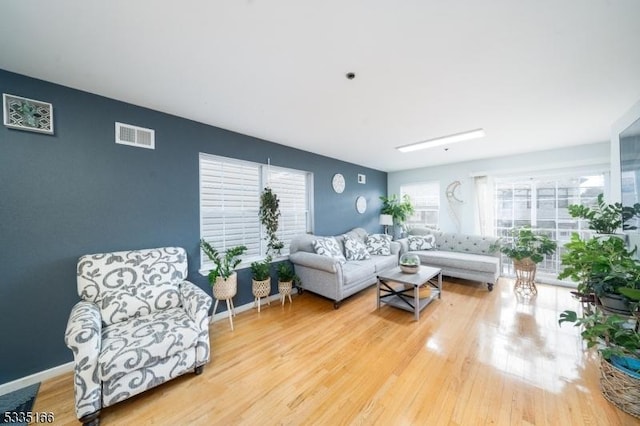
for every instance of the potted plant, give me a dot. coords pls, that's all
(260, 281)
(399, 209)
(605, 218)
(269, 217)
(526, 249)
(286, 280)
(223, 278)
(601, 267)
(618, 343)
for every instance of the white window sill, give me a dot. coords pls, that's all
(245, 264)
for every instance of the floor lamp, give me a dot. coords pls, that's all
(386, 220)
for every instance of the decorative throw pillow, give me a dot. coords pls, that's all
(423, 242)
(379, 244)
(355, 249)
(329, 247)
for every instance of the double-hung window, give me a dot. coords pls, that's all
(230, 202)
(425, 197)
(541, 203)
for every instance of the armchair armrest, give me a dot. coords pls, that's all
(84, 337)
(196, 302)
(315, 261)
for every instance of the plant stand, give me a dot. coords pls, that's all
(284, 288)
(525, 277)
(225, 290)
(619, 388)
(261, 289)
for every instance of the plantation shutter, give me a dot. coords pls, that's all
(291, 188)
(229, 205)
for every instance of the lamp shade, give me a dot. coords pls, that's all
(386, 219)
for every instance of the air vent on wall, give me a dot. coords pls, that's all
(126, 134)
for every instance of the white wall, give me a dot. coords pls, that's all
(592, 155)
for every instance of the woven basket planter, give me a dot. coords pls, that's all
(525, 276)
(285, 288)
(261, 288)
(619, 388)
(226, 289)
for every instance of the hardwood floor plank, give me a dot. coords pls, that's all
(475, 357)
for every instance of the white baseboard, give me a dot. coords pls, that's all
(35, 378)
(65, 368)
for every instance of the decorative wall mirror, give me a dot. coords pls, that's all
(625, 163)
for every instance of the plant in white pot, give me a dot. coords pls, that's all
(223, 277)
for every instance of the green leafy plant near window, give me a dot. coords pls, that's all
(605, 218)
(526, 243)
(224, 265)
(399, 209)
(599, 265)
(269, 217)
(260, 271)
(286, 273)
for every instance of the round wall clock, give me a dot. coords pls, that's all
(338, 183)
(361, 204)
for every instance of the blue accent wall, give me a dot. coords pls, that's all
(78, 192)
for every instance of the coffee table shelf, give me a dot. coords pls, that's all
(407, 297)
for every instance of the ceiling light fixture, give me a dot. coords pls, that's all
(444, 140)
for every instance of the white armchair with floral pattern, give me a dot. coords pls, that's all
(139, 324)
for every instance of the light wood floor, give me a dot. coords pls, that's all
(474, 358)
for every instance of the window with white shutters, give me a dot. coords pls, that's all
(230, 201)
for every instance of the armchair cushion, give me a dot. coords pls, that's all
(135, 301)
(141, 342)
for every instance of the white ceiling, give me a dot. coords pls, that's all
(535, 74)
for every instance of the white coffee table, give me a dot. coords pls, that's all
(408, 296)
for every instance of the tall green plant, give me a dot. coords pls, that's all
(269, 217)
(399, 209)
(599, 265)
(224, 265)
(605, 218)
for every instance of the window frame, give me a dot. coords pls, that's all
(264, 172)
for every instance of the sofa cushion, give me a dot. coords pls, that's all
(328, 246)
(357, 271)
(354, 249)
(379, 244)
(426, 242)
(384, 262)
(450, 259)
(141, 342)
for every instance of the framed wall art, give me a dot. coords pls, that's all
(27, 114)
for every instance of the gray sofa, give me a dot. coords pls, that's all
(459, 255)
(329, 277)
